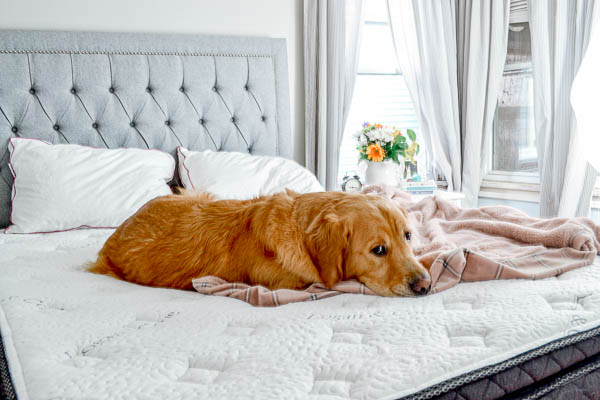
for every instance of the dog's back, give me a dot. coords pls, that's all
(173, 239)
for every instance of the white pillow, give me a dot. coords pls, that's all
(232, 175)
(66, 186)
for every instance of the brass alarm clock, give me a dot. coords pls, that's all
(352, 184)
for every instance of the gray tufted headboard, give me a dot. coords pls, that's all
(142, 90)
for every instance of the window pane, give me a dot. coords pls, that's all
(375, 10)
(519, 44)
(514, 134)
(377, 50)
(377, 98)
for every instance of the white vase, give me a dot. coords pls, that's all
(381, 172)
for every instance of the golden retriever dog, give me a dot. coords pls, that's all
(286, 240)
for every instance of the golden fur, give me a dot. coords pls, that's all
(287, 240)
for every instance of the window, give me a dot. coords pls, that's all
(513, 167)
(380, 93)
(514, 134)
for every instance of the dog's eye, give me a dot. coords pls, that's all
(407, 236)
(379, 250)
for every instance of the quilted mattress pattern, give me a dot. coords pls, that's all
(71, 334)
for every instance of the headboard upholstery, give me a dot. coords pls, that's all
(153, 91)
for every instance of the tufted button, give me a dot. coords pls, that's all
(263, 118)
(132, 124)
(246, 87)
(14, 129)
(167, 122)
(73, 91)
(111, 89)
(232, 119)
(182, 89)
(148, 89)
(201, 121)
(56, 127)
(32, 91)
(214, 88)
(95, 125)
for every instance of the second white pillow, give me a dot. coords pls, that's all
(232, 175)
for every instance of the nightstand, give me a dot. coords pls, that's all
(454, 197)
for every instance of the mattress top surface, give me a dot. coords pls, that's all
(72, 334)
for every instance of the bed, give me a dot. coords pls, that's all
(67, 333)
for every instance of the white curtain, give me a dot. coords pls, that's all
(584, 96)
(424, 34)
(452, 55)
(560, 32)
(482, 34)
(331, 47)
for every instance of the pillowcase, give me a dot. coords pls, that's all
(242, 176)
(66, 186)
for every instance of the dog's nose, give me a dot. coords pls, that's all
(421, 285)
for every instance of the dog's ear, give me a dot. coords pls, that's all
(327, 242)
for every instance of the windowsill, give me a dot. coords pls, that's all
(520, 186)
(513, 177)
(507, 185)
(506, 194)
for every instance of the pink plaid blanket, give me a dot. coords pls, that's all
(262, 297)
(457, 245)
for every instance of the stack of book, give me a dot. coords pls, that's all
(424, 187)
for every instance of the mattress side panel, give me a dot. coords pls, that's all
(525, 377)
(12, 383)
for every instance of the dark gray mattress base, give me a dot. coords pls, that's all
(545, 371)
(7, 391)
(567, 368)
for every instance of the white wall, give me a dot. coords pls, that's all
(272, 18)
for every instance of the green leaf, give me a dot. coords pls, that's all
(411, 134)
(418, 149)
(399, 139)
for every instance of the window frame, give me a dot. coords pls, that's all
(517, 185)
(510, 185)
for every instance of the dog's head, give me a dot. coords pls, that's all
(366, 238)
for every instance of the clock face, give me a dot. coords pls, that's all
(352, 185)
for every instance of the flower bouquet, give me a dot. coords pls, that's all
(378, 143)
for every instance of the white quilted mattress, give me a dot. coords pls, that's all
(72, 334)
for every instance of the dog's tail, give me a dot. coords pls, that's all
(104, 266)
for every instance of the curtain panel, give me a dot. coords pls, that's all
(452, 56)
(424, 35)
(482, 35)
(331, 47)
(560, 32)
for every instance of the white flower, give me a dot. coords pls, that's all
(356, 134)
(363, 140)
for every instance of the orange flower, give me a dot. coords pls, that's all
(378, 126)
(375, 152)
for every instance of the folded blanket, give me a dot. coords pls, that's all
(263, 297)
(457, 245)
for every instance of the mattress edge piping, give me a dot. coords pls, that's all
(560, 380)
